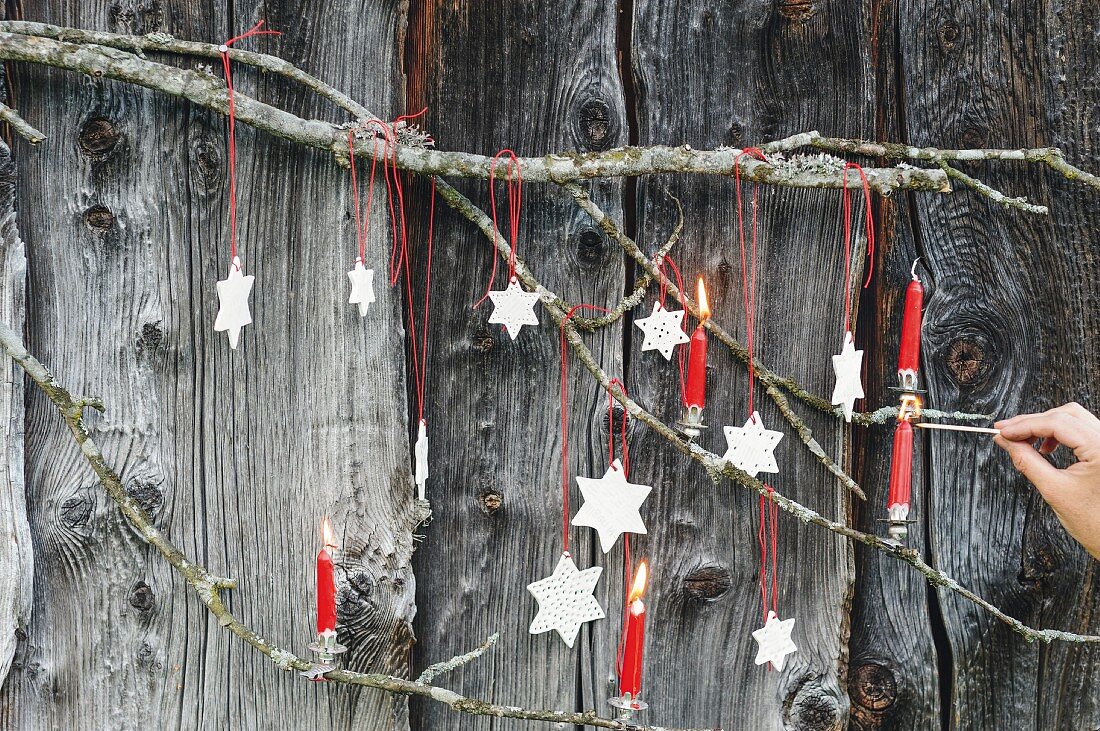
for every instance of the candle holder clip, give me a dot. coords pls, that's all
(326, 648)
(691, 425)
(627, 705)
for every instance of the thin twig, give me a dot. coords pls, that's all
(458, 661)
(20, 125)
(990, 192)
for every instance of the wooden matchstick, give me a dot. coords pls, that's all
(958, 427)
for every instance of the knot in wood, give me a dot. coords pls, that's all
(207, 160)
(796, 10)
(596, 123)
(483, 342)
(966, 362)
(98, 137)
(873, 686)
(147, 494)
(76, 511)
(99, 218)
(974, 136)
(141, 597)
(813, 708)
(591, 247)
(490, 501)
(708, 583)
(948, 34)
(152, 335)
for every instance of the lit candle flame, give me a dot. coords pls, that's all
(704, 305)
(909, 408)
(638, 587)
(328, 536)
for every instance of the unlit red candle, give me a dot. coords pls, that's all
(695, 393)
(901, 467)
(630, 679)
(326, 585)
(909, 355)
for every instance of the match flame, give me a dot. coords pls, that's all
(638, 588)
(909, 410)
(704, 305)
(328, 536)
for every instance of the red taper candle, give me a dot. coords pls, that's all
(695, 392)
(326, 583)
(901, 472)
(909, 355)
(630, 677)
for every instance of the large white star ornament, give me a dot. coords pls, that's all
(848, 366)
(233, 311)
(565, 600)
(750, 447)
(775, 641)
(664, 330)
(611, 505)
(362, 287)
(514, 307)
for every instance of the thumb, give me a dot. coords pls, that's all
(1030, 463)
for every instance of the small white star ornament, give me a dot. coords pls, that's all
(611, 505)
(664, 330)
(362, 286)
(565, 600)
(421, 452)
(514, 307)
(848, 366)
(774, 639)
(233, 293)
(750, 447)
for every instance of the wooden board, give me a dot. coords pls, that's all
(536, 78)
(736, 74)
(237, 454)
(1007, 330)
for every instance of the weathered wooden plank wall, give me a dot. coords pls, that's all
(125, 251)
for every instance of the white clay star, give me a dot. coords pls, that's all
(514, 307)
(775, 641)
(664, 330)
(233, 311)
(750, 447)
(362, 286)
(847, 367)
(565, 600)
(611, 505)
(421, 452)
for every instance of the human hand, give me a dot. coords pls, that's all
(1073, 493)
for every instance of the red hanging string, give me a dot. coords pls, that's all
(748, 282)
(514, 183)
(869, 223)
(224, 50)
(565, 420)
(681, 353)
(628, 571)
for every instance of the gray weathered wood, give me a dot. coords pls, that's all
(16, 549)
(1008, 329)
(237, 454)
(736, 74)
(545, 79)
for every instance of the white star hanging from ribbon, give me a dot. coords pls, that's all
(775, 641)
(362, 286)
(611, 505)
(421, 452)
(514, 307)
(233, 311)
(847, 367)
(565, 600)
(750, 447)
(664, 330)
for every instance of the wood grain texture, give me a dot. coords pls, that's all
(16, 551)
(535, 77)
(735, 74)
(1006, 330)
(238, 454)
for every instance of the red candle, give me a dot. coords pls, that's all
(326, 583)
(909, 356)
(696, 389)
(901, 472)
(630, 678)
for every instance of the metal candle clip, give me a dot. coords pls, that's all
(627, 705)
(326, 648)
(691, 425)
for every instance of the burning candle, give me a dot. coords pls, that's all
(630, 677)
(909, 355)
(901, 476)
(695, 394)
(326, 582)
